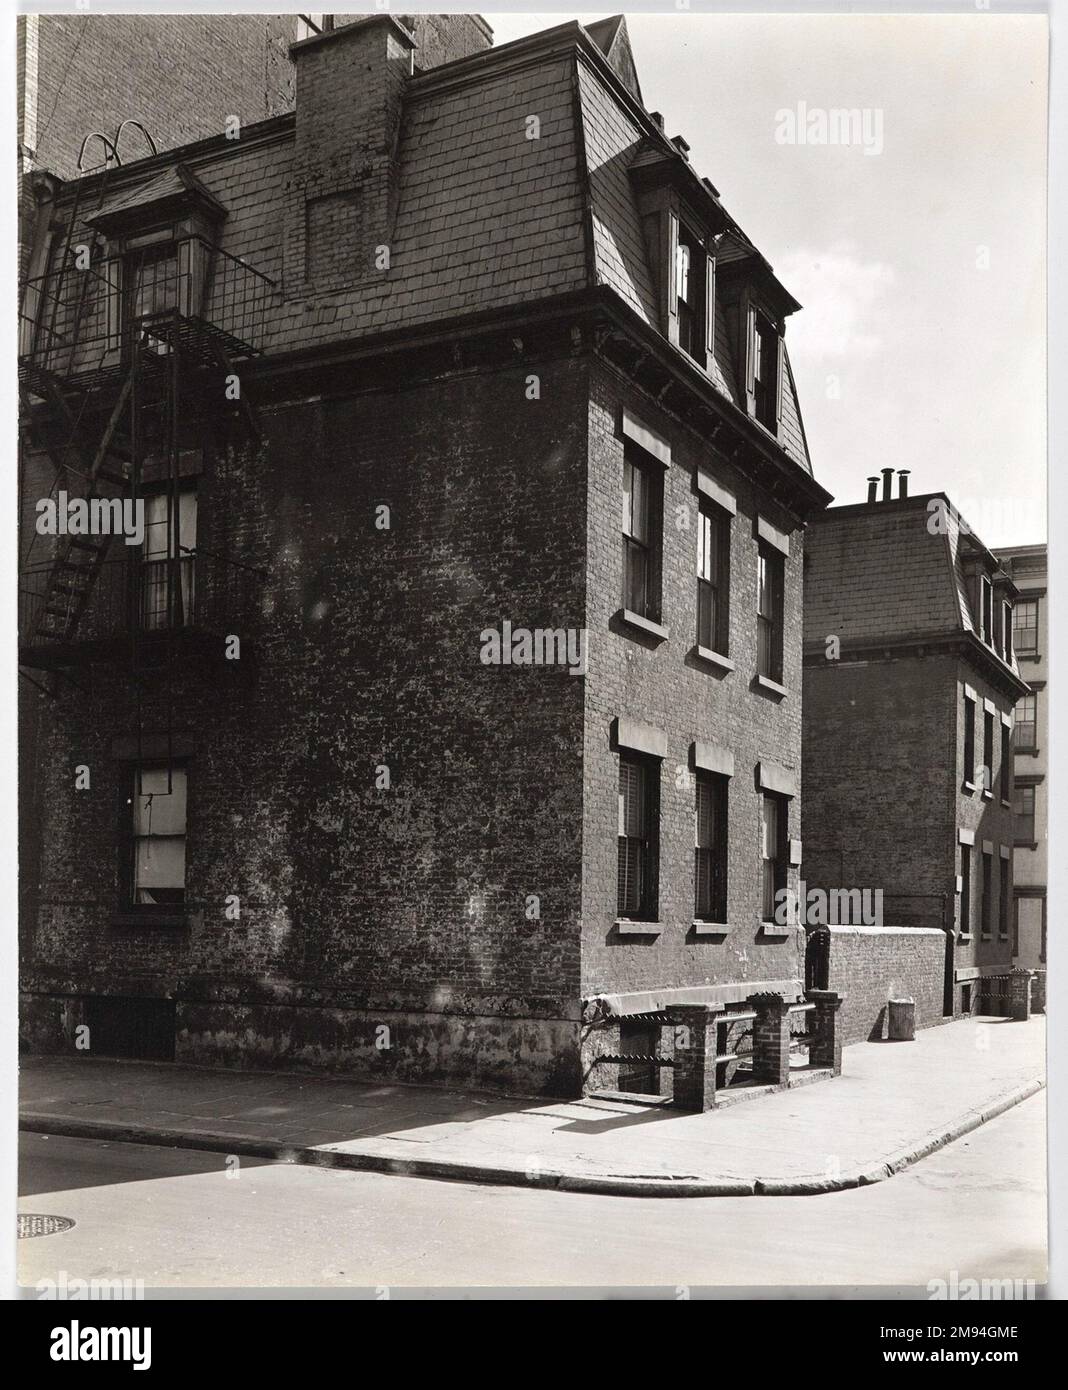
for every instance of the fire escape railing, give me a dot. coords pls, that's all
(197, 593)
(78, 323)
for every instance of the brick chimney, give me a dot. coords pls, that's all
(343, 193)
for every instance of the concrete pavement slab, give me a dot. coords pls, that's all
(893, 1104)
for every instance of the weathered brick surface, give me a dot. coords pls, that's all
(871, 965)
(664, 686)
(408, 908)
(366, 652)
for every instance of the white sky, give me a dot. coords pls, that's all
(939, 363)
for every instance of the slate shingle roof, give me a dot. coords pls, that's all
(486, 218)
(882, 571)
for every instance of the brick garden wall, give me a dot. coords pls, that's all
(871, 965)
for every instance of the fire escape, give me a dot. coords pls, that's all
(129, 345)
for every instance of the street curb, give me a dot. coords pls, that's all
(610, 1185)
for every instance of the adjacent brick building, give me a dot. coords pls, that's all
(445, 723)
(1028, 565)
(910, 684)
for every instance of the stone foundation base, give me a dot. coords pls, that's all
(529, 1056)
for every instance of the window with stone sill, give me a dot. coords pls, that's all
(1025, 626)
(771, 574)
(965, 890)
(713, 577)
(642, 489)
(969, 741)
(637, 837)
(710, 848)
(154, 871)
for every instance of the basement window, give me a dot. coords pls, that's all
(156, 869)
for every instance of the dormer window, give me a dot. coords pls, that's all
(764, 349)
(694, 298)
(1006, 631)
(986, 617)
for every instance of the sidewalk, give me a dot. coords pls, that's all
(893, 1103)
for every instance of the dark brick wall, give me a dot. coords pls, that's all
(878, 810)
(361, 906)
(871, 965)
(664, 686)
(884, 801)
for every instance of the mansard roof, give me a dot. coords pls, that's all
(485, 218)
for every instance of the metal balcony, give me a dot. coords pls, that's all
(83, 326)
(135, 605)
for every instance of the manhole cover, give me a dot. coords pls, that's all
(42, 1225)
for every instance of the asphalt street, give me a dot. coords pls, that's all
(180, 1217)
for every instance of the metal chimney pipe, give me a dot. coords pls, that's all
(888, 484)
(903, 482)
(873, 489)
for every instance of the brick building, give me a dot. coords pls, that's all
(444, 722)
(910, 680)
(1028, 566)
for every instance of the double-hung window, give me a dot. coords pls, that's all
(988, 753)
(710, 848)
(765, 350)
(636, 888)
(1006, 762)
(969, 740)
(986, 619)
(167, 590)
(770, 595)
(965, 890)
(1003, 898)
(641, 536)
(713, 576)
(1025, 626)
(773, 853)
(1023, 805)
(988, 880)
(1026, 722)
(156, 868)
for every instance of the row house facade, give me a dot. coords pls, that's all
(1029, 567)
(911, 686)
(443, 721)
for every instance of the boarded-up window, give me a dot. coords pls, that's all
(334, 247)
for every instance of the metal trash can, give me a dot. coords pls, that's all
(901, 1020)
